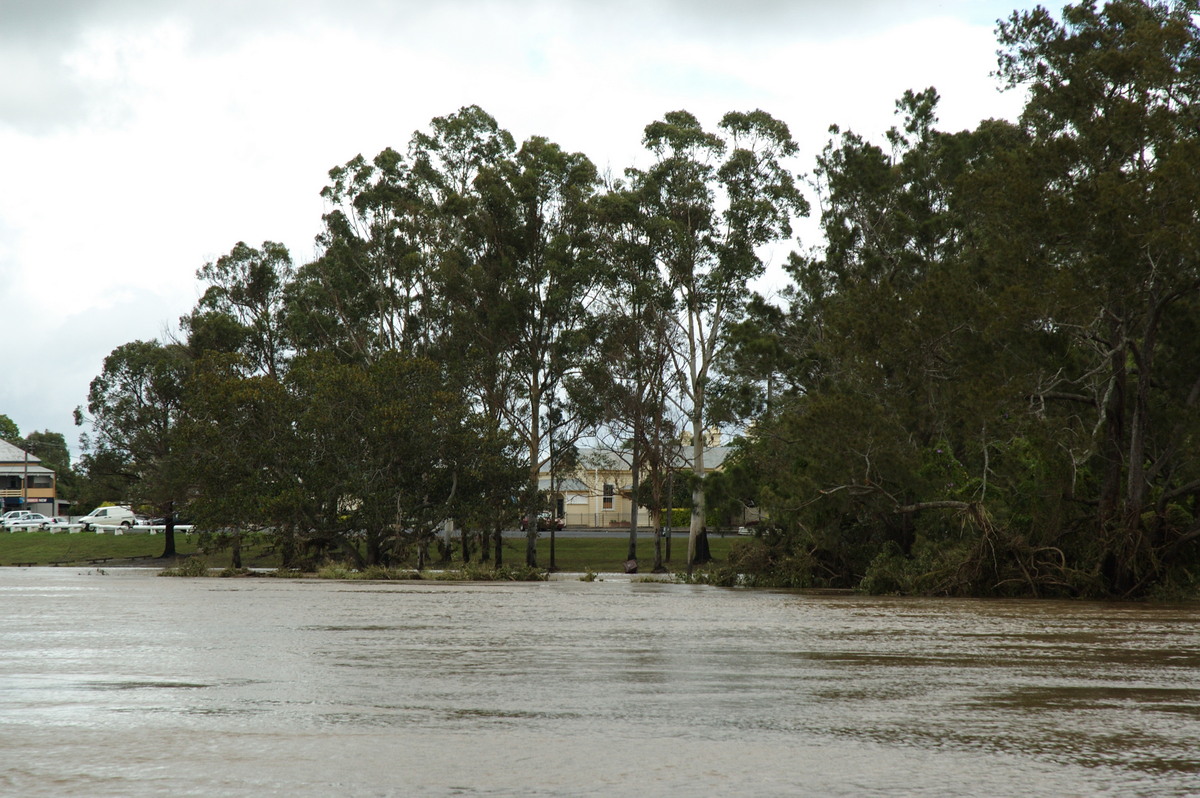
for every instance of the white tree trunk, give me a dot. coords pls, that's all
(697, 490)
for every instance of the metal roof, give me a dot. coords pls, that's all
(564, 484)
(13, 454)
(610, 460)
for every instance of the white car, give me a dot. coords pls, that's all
(31, 521)
(14, 515)
(113, 515)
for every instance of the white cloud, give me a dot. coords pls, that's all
(149, 137)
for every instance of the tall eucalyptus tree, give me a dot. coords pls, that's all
(475, 322)
(535, 222)
(135, 408)
(367, 291)
(630, 372)
(716, 199)
(243, 307)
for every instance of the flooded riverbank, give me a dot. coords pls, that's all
(121, 683)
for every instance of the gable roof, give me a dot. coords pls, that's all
(13, 454)
(13, 462)
(609, 460)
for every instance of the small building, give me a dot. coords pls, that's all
(599, 494)
(26, 484)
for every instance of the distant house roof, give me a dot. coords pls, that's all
(609, 460)
(569, 484)
(14, 454)
(13, 462)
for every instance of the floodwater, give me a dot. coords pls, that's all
(119, 683)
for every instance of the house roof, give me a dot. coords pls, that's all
(564, 484)
(609, 460)
(13, 454)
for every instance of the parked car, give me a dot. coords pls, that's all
(113, 515)
(545, 522)
(14, 515)
(162, 521)
(30, 521)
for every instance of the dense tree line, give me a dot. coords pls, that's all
(983, 382)
(991, 368)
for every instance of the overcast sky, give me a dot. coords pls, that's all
(140, 139)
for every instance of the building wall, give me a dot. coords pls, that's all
(588, 508)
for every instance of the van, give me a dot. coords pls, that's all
(115, 515)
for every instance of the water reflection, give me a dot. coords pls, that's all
(126, 684)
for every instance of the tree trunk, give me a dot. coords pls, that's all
(669, 532)
(446, 544)
(635, 462)
(697, 527)
(1114, 435)
(656, 522)
(169, 532)
(535, 448)
(703, 554)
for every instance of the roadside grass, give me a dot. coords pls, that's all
(598, 554)
(50, 548)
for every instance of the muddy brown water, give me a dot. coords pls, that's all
(121, 683)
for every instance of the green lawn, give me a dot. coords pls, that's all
(49, 548)
(571, 554)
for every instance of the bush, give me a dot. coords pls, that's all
(756, 563)
(889, 573)
(484, 573)
(381, 573)
(335, 570)
(192, 566)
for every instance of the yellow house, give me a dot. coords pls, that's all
(26, 484)
(599, 494)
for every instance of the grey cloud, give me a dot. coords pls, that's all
(37, 35)
(60, 21)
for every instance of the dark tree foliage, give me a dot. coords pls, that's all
(998, 382)
(136, 407)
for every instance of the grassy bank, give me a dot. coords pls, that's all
(84, 548)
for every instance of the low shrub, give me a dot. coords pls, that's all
(192, 566)
(336, 570)
(474, 572)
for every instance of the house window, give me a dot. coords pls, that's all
(40, 481)
(608, 496)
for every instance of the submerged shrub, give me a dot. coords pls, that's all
(383, 573)
(473, 572)
(757, 563)
(335, 570)
(192, 566)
